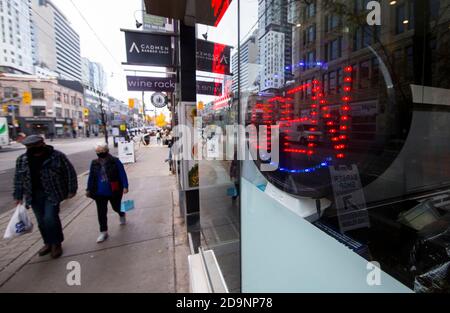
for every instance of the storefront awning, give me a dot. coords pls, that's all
(208, 12)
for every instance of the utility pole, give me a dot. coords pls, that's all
(102, 110)
(143, 108)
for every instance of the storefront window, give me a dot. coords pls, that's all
(217, 91)
(357, 172)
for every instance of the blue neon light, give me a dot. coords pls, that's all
(307, 170)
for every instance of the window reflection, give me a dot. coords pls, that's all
(353, 102)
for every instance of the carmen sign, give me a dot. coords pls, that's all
(149, 49)
(158, 84)
(213, 57)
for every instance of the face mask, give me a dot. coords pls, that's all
(102, 155)
(36, 150)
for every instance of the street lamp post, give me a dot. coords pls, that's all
(102, 114)
(144, 110)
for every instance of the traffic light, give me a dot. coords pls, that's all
(27, 98)
(86, 112)
(131, 103)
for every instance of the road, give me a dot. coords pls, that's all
(79, 151)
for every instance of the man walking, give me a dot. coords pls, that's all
(44, 178)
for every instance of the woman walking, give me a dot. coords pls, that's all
(107, 182)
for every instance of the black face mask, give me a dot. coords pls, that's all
(36, 151)
(102, 155)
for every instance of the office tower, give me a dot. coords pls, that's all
(249, 64)
(56, 43)
(275, 43)
(15, 37)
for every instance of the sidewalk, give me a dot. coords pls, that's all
(149, 254)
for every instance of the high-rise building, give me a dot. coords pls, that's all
(93, 75)
(275, 43)
(56, 43)
(249, 64)
(15, 37)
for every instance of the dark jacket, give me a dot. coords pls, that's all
(58, 178)
(115, 172)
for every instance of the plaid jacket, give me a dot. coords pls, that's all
(58, 177)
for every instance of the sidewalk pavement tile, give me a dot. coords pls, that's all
(142, 267)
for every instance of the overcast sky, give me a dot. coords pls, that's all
(107, 17)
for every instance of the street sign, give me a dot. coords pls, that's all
(158, 84)
(27, 97)
(159, 100)
(149, 49)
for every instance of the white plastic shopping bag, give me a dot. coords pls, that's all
(19, 224)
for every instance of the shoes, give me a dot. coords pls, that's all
(123, 220)
(57, 251)
(45, 250)
(102, 238)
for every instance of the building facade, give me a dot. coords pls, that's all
(15, 37)
(53, 110)
(94, 75)
(275, 43)
(249, 64)
(56, 43)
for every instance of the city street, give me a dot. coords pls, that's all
(149, 254)
(79, 151)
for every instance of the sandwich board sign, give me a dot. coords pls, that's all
(126, 152)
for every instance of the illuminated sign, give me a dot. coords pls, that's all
(207, 12)
(219, 8)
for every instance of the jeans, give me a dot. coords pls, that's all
(47, 216)
(102, 210)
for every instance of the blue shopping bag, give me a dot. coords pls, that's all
(232, 192)
(127, 206)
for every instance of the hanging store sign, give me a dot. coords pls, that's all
(159, 100)
(213, 57)
(149, 49)
(158, 84)
(209, 88)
